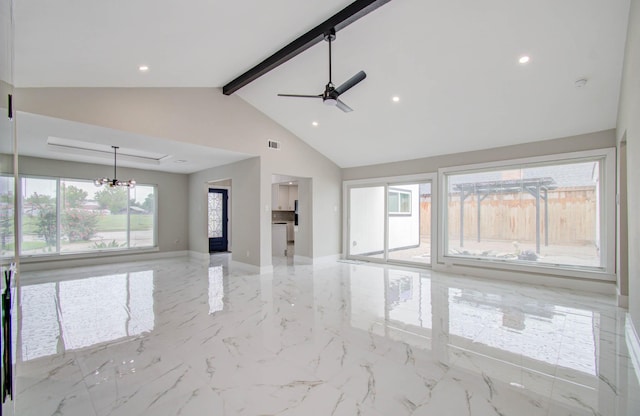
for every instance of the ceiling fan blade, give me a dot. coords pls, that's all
(300, 96)
(342, 106)
(351, 82)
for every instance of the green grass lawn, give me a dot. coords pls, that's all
(28, 245)
(118, 222)
(113, 222)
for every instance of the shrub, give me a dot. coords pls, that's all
(79, 225)
(103, 245)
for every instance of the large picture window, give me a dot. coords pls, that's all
(73, 216)
(552, 213)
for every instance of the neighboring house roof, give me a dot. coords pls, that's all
(565, 176)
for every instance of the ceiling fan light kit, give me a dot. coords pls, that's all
(331, 94)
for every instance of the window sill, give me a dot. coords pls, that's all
(541, 269)
(32, 259)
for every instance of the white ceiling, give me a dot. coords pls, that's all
(92, 144)
(452, 63)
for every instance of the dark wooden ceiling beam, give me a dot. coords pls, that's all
(340, 20)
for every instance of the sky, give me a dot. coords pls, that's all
(47, 186)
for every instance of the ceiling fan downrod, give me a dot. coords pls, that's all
(330, 36)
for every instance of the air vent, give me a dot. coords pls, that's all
(274, 145)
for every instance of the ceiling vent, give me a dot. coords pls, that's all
(274, 145)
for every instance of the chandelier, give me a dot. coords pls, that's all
(114, 182)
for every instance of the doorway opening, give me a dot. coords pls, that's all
(218, 215)
(290, 219)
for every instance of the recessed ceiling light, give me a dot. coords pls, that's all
(180, 161)
(395, 99)
(143, 68)
(524, 59)
(314, 123)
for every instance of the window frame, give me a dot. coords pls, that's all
(58, 254)
(607, 201)
(387, 183)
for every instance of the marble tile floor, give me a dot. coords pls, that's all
(179, 337)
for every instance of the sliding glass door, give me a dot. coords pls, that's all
(390, 222)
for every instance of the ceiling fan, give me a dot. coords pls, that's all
(331, 94)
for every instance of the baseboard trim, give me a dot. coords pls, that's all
(196, 255)
(633, 343)
(623, 301)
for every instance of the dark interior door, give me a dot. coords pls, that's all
(218, 220)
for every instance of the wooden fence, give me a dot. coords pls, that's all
(573, 215)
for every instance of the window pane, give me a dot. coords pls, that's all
(79, 216)
(393, 202)
(215, 221)
(6, 216)
(405, 203)
(533, 215)
(39, 216)
(410, 233)
(141, 215)
(111, 232)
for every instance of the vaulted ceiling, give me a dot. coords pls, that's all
(452, 64)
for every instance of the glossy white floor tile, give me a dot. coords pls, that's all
(177, 337)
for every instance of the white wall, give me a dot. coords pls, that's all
(366, 220)
(206, 117)
(629, 127)
(321, 199)
(244, 218)
(304, 235)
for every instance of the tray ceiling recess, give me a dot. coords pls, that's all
(78, 147)
(338, 21)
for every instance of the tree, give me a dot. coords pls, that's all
(44, 207)
(6, 218)
(114, 199)
(73, 196)
(149, 202)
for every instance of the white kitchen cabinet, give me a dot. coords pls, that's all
(283, 198)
